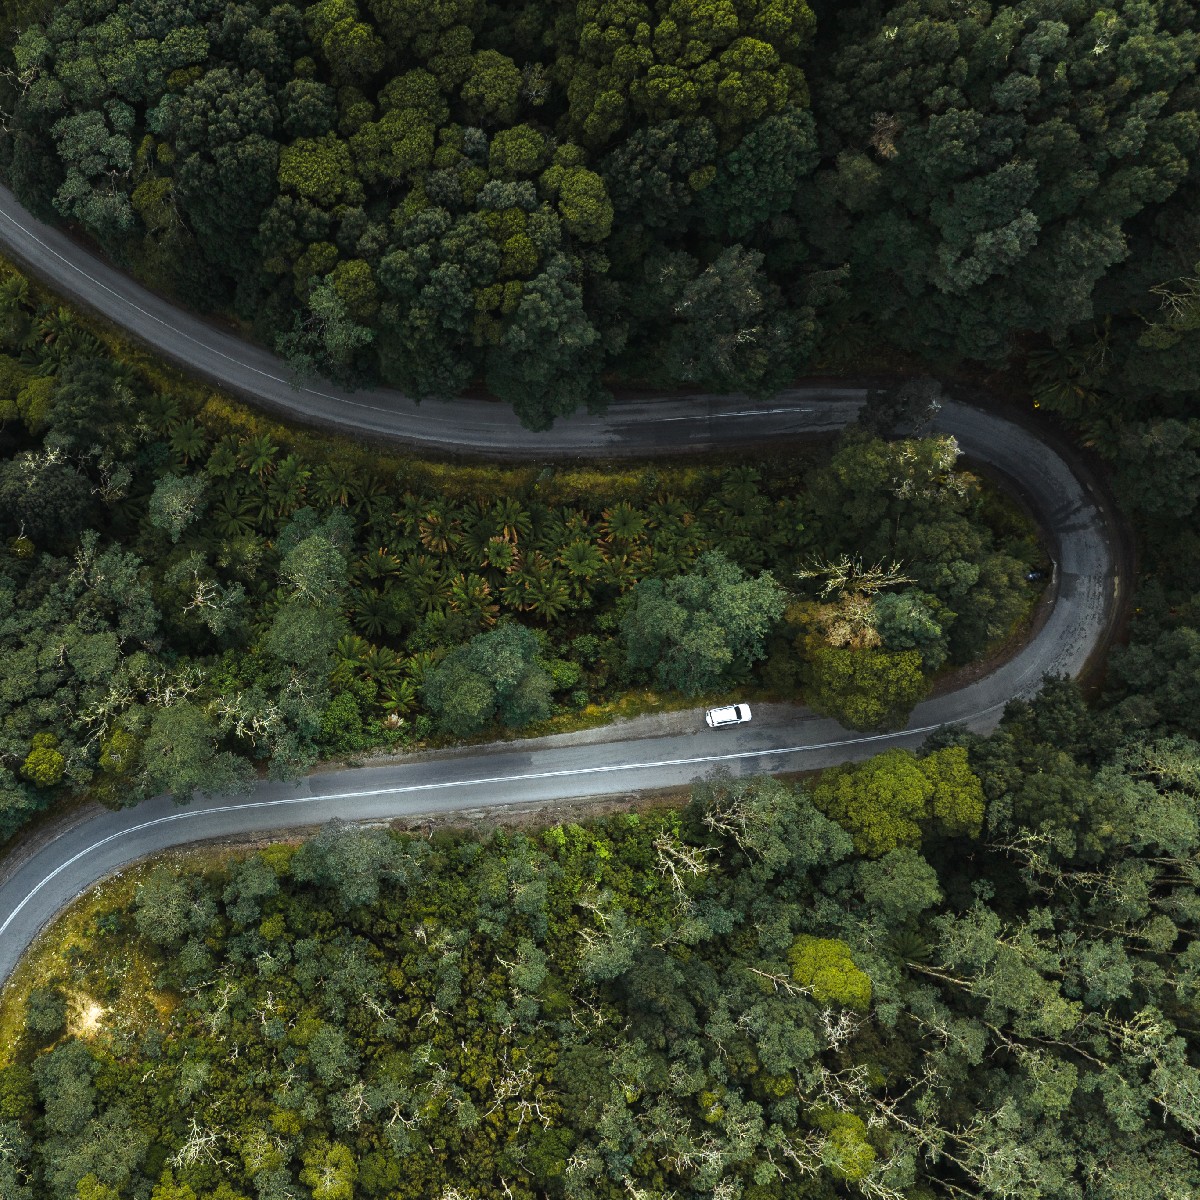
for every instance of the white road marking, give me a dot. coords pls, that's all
(610, 768)
(747, 412)
(426, 416)
(293, 384)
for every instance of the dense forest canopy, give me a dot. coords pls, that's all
(709, 193)
(971, 972)
(183, 599)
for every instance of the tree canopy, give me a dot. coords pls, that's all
(720, 1000)
(694, 631)
(494, 676)
(719, 195)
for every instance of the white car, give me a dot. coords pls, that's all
(734, 714)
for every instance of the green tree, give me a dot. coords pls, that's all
(583, 201)
(517, 152)
(181, 755)
(548, 361)
(732, 63)
(1158, 675)
(177, 502)
(327, 339)
(655, 174)
(170, 908)
(330, 1169)
(694, 632)
(308, 108)
(999, 236)
(224, 128)
(44, 764)
(1159, 469)
(397, 147)
(757, 181)
(17, 803)
(351, 47)
(43, 495)
(728, 328)
(352, 864)
(420, 24)
(304, 636)
(34, 402)
(491, 89)
(14, 1161)
(321, 170)
(847, 1152)
(898, 886)
(891, 800)
(64, 1087)
(46, 1012)
(94, 155)
(826, 966)
(768, 820)
(495, 676)
(342, 724)
(905, 621)
(168, 1188)
(864, 689)
(313, 557)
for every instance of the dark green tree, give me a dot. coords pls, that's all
(496, 676)
(694, 632)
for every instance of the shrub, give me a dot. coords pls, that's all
(46, 1012)
(341, 724)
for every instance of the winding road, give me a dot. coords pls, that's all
(42, 876)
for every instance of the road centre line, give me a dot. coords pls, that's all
(749, 412)
(293, 384)
(444, 785)
(485, 430)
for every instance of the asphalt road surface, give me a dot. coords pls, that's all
(40, 878)
(647, 426)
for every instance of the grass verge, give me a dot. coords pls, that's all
(108, 983)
